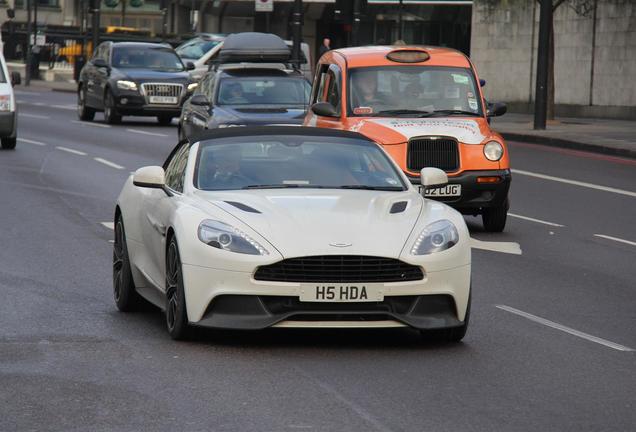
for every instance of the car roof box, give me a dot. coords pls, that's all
(254, 47)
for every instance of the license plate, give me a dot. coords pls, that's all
(163, 99)
(451, 190)
(336, 292)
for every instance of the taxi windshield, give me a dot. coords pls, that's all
(412, 91)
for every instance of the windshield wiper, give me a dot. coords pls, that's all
(282, 186)
(397, 112)
(454, 111)
(367, 187)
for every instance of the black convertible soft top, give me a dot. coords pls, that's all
(275, 130)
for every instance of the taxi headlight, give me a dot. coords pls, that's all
(436, 237)
(493, 151)
(223, 236)
(126, 85)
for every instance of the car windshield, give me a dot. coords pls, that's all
(273, 162)
(412, 91)
(280, 91)
(162, 59)
(195, 48)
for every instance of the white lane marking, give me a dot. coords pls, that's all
(109, 225)
(503, 247)
(535, 220)
(69, 150)
(615, 239)
(28, 141)
(90, 124)
(38, 104)
(575, 182)
(565, 329)
(37, 116)
(66, 107)
(108, 163)
(147, 133)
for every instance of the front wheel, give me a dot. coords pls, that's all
(110, 110)
(83, 112)
(176, 312)
(494, 218)
(9, 143)
(126, 297)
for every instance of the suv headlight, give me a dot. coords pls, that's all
(223, 236)
(436, 237)
(192, 86)
(493, 151)
(126, 85)
(5, 103)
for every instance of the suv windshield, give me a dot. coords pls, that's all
(195, 48)
(160, 58)
(412, 91)
(283, 91)
(273, 162)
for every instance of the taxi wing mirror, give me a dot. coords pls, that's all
(324, 109)
(150, 177)
(199, 100)
(482, 82)
(433, 178)
(496, 109)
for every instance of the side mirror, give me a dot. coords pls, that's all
(15, 78)
(482, 82)
(433, 178)
(150, 177)
(100, 63)
(496, 109)
(190, 66)
(324, 109)
(199, 100)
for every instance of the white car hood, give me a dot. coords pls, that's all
(319, 222)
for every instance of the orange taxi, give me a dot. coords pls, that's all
(425, 106)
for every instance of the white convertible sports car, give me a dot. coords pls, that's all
(250, 228)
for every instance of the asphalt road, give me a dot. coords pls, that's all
(548, 349)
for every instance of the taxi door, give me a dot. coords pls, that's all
(327, 88)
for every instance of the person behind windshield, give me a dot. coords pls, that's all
(365, 91)
(234, 94)
(221, 169)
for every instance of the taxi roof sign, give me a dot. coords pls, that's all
(408, 56)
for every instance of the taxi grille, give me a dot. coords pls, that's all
(339, 268)
(435, 152)
(162, 89)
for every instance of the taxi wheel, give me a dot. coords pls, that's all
(494, 218)
(9, 143)
(164, 120)
(83, 112)
(110, 111)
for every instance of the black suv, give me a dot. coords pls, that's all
(133, 78)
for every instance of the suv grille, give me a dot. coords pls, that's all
(435, 152)
(339, 268)
(162, 89)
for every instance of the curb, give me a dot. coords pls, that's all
(576, 145)
(63, 89)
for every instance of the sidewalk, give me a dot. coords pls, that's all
(41, 85)
(611, 137)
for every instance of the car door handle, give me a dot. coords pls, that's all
(158, 226)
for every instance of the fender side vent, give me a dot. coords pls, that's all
(242, 206)
(398, 207)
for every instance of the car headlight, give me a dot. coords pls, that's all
(223, 236)
(436, 237)
(5, 103)
(493, 151)
(126, 85)
(192, 86)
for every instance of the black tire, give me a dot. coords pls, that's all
(83, 112)
(454, 334)
(126, 297)
(111, 116)
(176, 311)
(164, 120)
(9, 143)
(494, 218)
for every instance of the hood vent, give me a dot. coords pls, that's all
(398, 207)
(242, 206)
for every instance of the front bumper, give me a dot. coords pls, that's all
(8, 124)
(233, 299)
(476, 196)
(135, 104)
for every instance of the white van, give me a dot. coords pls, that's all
(203, 50)
(8, 115)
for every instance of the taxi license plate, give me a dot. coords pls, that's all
(162, 99)
(337, 292)
(451, 190)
